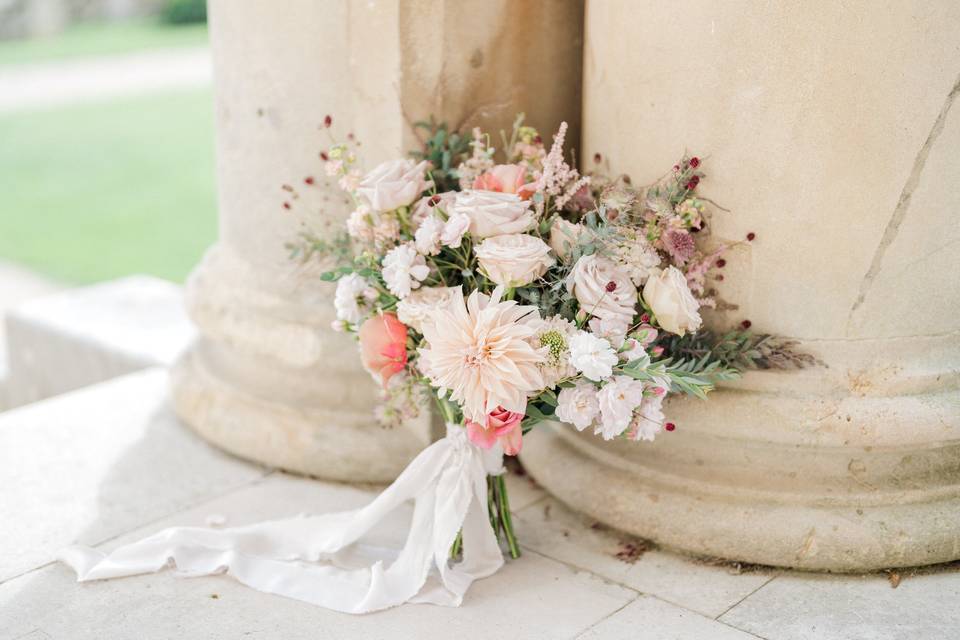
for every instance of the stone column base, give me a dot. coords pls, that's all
(270, 382)
(787, 469)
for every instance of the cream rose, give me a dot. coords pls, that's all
(564, 236)
(675, 308)
(417, 307)
(494, 214)
(394, 184)
(603, 288)
(514, 260)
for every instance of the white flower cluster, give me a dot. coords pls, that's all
(488, 353)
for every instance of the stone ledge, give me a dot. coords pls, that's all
(79, 337)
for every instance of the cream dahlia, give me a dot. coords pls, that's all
(481, 352)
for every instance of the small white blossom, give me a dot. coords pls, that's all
(358, 224)
(578, 405)
(454, 229)
(404, 269)
(427, 237)
(633, 350)
(648, 420)
(592, 356)
(618, 399)
(613, 329)
(349, 287)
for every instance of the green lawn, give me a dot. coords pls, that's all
(92, 192)
(99, 39)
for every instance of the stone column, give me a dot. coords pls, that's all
(267, 379)
(832, 136)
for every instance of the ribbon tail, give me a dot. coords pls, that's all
(304, 557)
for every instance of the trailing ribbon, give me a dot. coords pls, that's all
(304, 557)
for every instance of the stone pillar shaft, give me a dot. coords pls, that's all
(268, 379)
(831, 136)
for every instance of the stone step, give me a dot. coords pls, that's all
(78, 337)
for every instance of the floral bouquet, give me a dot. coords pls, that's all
(512, 293)
(515, 290)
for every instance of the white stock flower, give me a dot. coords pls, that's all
(612, 329)
(427, 205)
(618, 398)
(349, 288)
(578, 405)
(394, 184)
(358, 224)
(675, 308)
(513, 260)
(493, 213)
(592, 356)
(602, 288)
(648, 419)
(403, 269)
(427, 237)
(564, 236)
(481, 352)
(634, 351)
(455, 228)
(414, 310)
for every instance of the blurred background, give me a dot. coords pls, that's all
(106, 142)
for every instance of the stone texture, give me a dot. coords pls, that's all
(268, 379)
(76, 338)
(553, 530)
(650, 619)
(829, 135)
(134, 470)
(528, 598)
(72, 468)
(806, 607)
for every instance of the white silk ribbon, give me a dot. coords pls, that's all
(304, 557)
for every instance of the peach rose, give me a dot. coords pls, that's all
(383, 346)
(506, 178)
(501, 425)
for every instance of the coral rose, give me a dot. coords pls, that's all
(500, 425)
(505, 178)
(383, 346)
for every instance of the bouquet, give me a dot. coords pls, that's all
(513, 290)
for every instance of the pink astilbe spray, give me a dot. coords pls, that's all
(558, 179)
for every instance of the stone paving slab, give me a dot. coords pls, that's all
(553, 530)
(92, 464)
(648, 618)
(533, 597)
(800, 606)
(110, 464)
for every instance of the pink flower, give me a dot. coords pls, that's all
(501, 425)
(383, 346)
(505, 178)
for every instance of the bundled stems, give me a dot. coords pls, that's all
(499, 509)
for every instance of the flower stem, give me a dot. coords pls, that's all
(506, 520)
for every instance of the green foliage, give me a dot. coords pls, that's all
(738, 350)
(99, 191)
(184, 12)
(445, 150)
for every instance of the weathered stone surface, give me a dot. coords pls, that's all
(830, 136)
